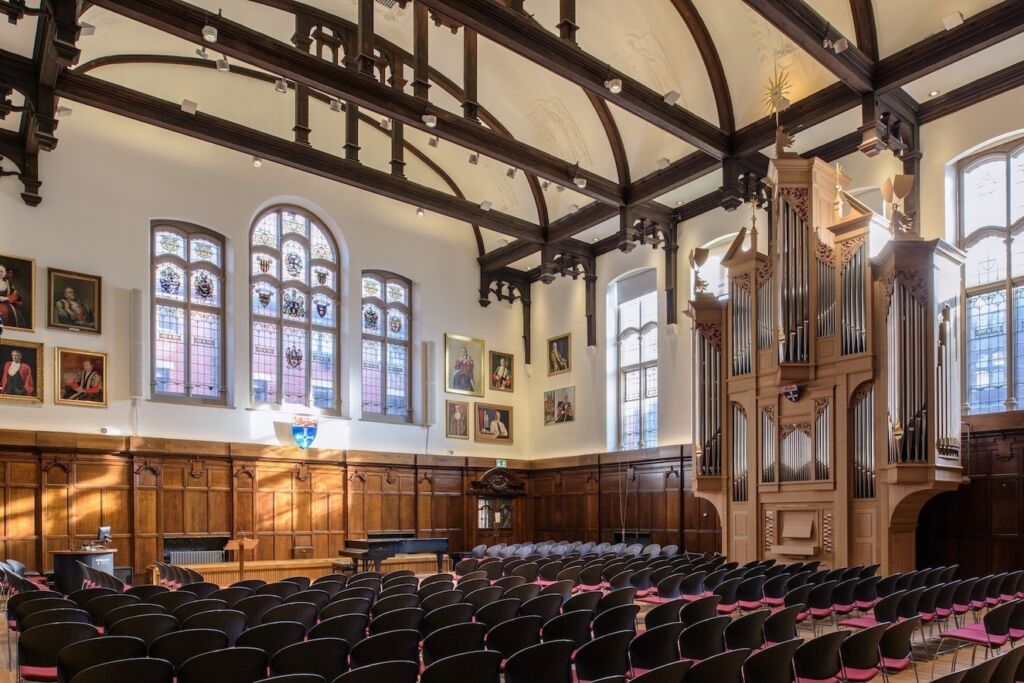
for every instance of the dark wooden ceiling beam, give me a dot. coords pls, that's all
(186, 21)
(800, 23)
(712, 62)
(117, 99)
(982, 30)
(520, 34)
(816, 108)
(864, 25)
(683, 171)
(968, 95)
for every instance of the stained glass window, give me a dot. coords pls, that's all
(294, 282)
(386, 329)
(187, 343)
(637, 328)
(991, 231)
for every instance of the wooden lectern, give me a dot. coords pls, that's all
(239, 546)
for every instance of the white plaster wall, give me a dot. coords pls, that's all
(109, 177)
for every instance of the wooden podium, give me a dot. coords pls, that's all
(239, 546)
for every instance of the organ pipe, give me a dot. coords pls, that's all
(852, 284)
(862, 426)
(739, 453)
(822, 439)
(769, 445)
(708, 422)
(742, 324)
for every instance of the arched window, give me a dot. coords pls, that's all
(636, 326)
(386, 336)
(991, 231)
(187, 340)
(294, 280)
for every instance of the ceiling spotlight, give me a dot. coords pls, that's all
(222, 64)
(63, 112)
(951, 21)
(840, 46)
(544, 185)
(257, 162)
(934, 93)
(614, 85)
(335, 104)
(201, 52)
(486, 205)
(385, 123)
(679, 202)
(593, 239)
(579, 181)
(511, 172)
(671, 97)
(86, 29)
(663, 163)
(281, 85)
(210, 33)
(434, 141)
(474, 158)
(189, 107)
(419, 212)
(429, 120)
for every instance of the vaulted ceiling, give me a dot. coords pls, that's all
(538, 69)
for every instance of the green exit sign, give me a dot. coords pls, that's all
(502, 463)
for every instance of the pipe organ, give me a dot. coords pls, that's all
(836, 412)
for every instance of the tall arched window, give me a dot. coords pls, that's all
(991, 231)
(187, 340)
(294, 280)
(386, 336)
(636, 318)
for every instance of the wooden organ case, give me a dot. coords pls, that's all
(827, 382)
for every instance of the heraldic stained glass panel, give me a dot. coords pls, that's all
(386, 336)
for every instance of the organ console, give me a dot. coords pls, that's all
(827, 380)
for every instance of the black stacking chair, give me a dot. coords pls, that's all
(453, 640)
(118, 613)
(437, 578)
(148, 627)
(385, 647)
(818, 659)
(251, 584)
(574, 626)
(432, 602)
(196, 606)
(255, 606)
(407, 618)
(669, 673)
(346, 606)
(447, 616)
(271, 638)
(349, 627)
(703, 639)
(1008, 668)
(327, 657)
(139, 669)
(896, 646)
(621, 618)
(392, 672)
(397, 589)
(746, 632)
(304, 613)
(622, 596)
(384, 605)
(295, 678)
(53, 616)
(483, 596)
(467, 667)
(180, 646)
(77, 657)
(544, 663)
(314, 596)
(773, 664)
(202, 589)
(699, 610)
(80, 597)
(232, 665)
(470, 585)
(655, 647)
(282, 589)
(97, 607)
(367, 594)
(38, 648)
(144, 593)
(860, 650)
(586, 600)
(303, 582)
(544, 606)
(665, 613)
(514, 635)
(607, 655)
(231, 595)
(228, 621)
(426, 590)
(724, 668)
(495, 613)
(781, 626)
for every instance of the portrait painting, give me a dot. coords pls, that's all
(81, 378)
(456, 422)
(463, 365)
(21, 371)
(17, 293)
(560, 406)
(500, 365)
(560, 354)
(74, 300)
(493, 423)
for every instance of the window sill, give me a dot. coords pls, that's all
(298, 411)
(389, 420)
(169, 400)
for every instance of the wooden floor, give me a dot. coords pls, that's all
(926, 663)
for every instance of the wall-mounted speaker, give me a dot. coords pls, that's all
(136, 383)
(429, 383)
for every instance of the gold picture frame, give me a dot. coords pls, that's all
(464, 365)
(456, 427)
(32, 372)
(559, 354)
(492, 423)
(83, 312)
(501, 377)
(78, 384)
(17, 310)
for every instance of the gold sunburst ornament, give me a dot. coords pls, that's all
(776, 96)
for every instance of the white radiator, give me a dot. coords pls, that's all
(196, 556)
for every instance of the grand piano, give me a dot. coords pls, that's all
(381, 545)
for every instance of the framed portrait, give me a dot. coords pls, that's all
(21, 371)
(560, 354)
(74, 300)
(81, 378)
(493, 423)
(500, 366)
(456, 419)
(463, 365)
(560, 406)
(17, 293)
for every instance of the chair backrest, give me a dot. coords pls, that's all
(514, 635)
(818, 658)
(79, 656)
(231, 595)
(303, 612)
(327, 657)
(669, 673)
(401, 645)
(448, 597)
(544, 606)
(80, 597)
(621, 618)
(183, 612)
(655, 647)
(982, 672)
(281, 589)
(99, 606)
(1006, 671)
(781, 625)
(665, 613)
(351, 591)
(703, 639)
(746, 631)
(622, 596)
(585, 600)
(887, 609)
(997, 619)
(255, 606)
(344, 606)
(171, 600)
(908, 604)
(574, 626)
(483, 666)
(453, 640)
(273, 637)
(391, 671)
(494, 613)
(148, 627)
(349, 627)
(40, 646)
(549, 662)
(228, 621)
(406, 618)
(897, 641)
(860, 650)
(459, 613)
(202, 589)
(53, 616)
(773, 664)
(179, 646)
(137, 669)
(722, 668)
(700, 609)
(320, 598)
(231, 665)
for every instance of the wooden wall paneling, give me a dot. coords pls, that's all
(243, 496)
(146, 492)
(19, 488)
(327, 509)
(101, 496)
(57, 505)
(439, 510)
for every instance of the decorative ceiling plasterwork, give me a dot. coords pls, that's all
(645, 58)
(558, 131)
